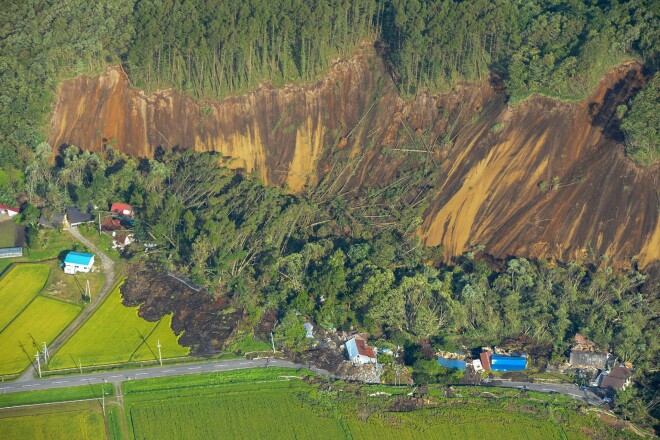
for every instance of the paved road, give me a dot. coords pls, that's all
(117, 377)
(109, 271)
(571, 390)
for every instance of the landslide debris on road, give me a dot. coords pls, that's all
(206, 321)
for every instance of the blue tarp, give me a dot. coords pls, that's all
(452, 363)
(78, 258)
(507, 363)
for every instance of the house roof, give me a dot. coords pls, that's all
(620, 372)
(364, 349)
(8, 208)
(121, 207)
(485, 359)
(507, 363)
(78, 258)
(76, 216)
(111, 224)
(458, 364)
(359, 347)
(54, 221)
(580, 358)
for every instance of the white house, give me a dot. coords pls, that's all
(359, 352)
(78, 262)
(11, 212)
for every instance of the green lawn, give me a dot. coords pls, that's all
(85, 424)
(18, 287)
(7, 234)
(40, 322)
(114, 334)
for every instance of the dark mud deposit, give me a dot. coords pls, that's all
(206, 321)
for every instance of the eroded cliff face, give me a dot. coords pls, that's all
(596, 202)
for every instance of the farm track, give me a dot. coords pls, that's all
(109, 270)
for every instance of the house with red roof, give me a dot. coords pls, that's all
(122, 209)
(359, 352)
(8, 210)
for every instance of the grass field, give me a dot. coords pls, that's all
(18, 287)
(122, 338)
(55, 395)
(261, 403)
(81, 424)
(7, 234)
(41, 321)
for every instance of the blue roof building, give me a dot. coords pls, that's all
(456, 364)
(78, 262)
(508, 363)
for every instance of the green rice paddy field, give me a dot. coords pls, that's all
(115, 334)
(26, 318)
(80, 424)
(263, 403)
(18, 287)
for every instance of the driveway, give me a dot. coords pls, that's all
(109, 271)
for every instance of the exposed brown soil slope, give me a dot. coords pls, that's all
(603, 205)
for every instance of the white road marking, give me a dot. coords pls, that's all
(168, 371)
(194, 368)
(60, 382)
(29, 385)
(220, 365)
(140, 374)
(113, 376)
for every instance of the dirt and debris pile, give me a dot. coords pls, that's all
(206, 321)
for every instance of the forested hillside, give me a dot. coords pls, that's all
(214, 48)
(557, 48)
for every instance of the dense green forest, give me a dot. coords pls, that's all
(558, 48)
(641, 124)
(320, 255)
(211, 48)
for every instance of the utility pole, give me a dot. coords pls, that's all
(80, 365)
(88, 291)
(272, 342)
(103, 396)
(160, 356)
(99, 222)
(38, 363)
(46, 355)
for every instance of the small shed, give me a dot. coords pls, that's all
(11, 252)
(309, 330)
(359, 352)
(508, 363)
(456, 364)
(75, 262)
